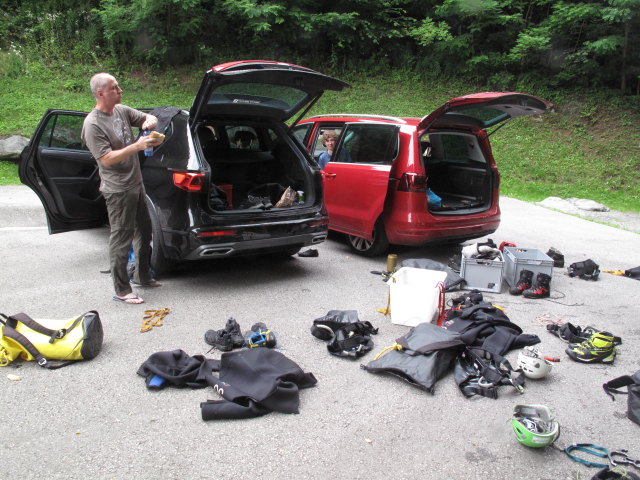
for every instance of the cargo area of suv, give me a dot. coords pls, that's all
(457, 173)
(254, 166)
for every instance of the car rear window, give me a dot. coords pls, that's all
(486, 115)
(451, 148)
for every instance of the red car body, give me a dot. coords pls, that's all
(379, 195)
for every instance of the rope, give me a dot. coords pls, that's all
(614, 272)
(395, 346)
(387, 310)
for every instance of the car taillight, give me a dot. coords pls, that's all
(413, 183)
(217, 233)
(191, 182)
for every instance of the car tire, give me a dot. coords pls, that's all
(370, 248)
(160, 264)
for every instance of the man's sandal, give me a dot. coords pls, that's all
(135, 300)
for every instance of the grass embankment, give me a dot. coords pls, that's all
(588, 148)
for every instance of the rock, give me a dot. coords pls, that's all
(573, 205)
(558, 203)
(589, 205)
(10, 148)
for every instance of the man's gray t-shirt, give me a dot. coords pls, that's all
(103, 133)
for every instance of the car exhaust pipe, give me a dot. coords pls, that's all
(216, 252)
(318, 239)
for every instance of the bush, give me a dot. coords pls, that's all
(12, 64)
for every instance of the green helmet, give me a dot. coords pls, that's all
(534, 425)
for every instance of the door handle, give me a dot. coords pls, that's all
(328, 175)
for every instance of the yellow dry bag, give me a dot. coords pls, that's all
(78, 338)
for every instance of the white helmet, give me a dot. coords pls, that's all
(532, 364)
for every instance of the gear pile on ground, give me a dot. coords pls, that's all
(345, 334)
(231, 336)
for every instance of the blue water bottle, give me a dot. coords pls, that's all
(148, 152)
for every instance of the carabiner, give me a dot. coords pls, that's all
(625, 458)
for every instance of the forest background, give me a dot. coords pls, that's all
(402, 57)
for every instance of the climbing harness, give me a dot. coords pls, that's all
(153, 318)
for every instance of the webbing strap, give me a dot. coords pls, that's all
(25, 319)
(591, 449)
(16, 336)
(488, 391)
(612, 386)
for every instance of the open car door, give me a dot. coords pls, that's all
(59, 168)
(356, 180)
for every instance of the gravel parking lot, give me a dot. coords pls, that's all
(97, 420)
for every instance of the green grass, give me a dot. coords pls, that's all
(588, 148)
(8, 173)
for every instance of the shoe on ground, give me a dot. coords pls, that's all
(259, 336)
(233, 329)
(523, 283)
(599, 348)
(455, 262)
(556, 256)
(541, 287)
(571, 334)
(220, 339)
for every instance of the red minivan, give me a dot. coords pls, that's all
(412, 181)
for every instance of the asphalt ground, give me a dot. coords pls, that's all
(96, 419)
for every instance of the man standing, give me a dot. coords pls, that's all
(107, 133)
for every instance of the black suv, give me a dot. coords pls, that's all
(230, 178)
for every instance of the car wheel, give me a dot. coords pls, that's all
(370, 248)
(160, 264)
